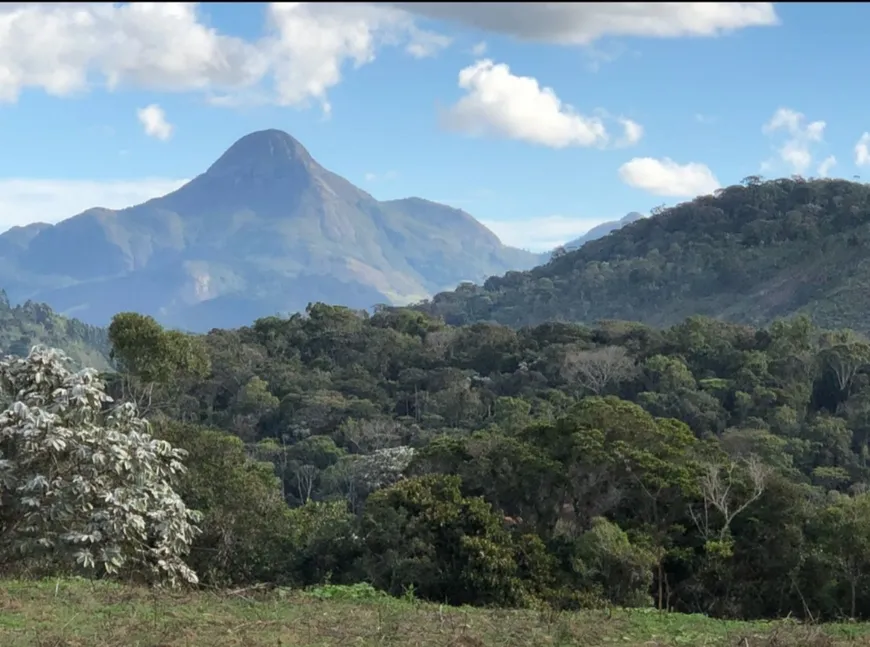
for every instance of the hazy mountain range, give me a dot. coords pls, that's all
(264, 230)
(599, 231)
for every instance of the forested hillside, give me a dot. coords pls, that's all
(748, 254)
(706, 467)
(35, 323)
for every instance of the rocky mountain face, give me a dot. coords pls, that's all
(265, 230)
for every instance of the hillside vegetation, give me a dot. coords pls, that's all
(706, 468)
(747, 254)
(23, 326)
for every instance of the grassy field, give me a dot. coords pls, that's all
(72, 613)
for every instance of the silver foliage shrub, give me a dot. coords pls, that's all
(383, 467)
(81, 479)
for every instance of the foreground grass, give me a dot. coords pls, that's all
(74, 613)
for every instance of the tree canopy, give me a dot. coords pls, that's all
(706, 467)
(750, 253)
(658, 457)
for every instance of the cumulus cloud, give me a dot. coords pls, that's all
(543, 233)
(797, 138)
(64, 48)
(827, 164)
(862, 150)
(61, 47)
(575, 23)
(153, 120)
(313, 41)
(24, 201)
(667, 178)
(500, 104)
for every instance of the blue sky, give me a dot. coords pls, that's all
(541, 119)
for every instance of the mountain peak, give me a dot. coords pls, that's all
(263, 153)
(266, 229)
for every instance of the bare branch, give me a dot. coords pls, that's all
(596, 369)
(716, 483)
(306, 475)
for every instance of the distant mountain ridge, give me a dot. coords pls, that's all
(750, 254)
(264, 230)
(599, 231)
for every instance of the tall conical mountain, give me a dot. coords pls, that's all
(264, 230)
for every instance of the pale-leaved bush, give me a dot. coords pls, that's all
(82, 481)
(383, 467)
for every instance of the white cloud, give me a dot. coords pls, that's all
(632, 132)
(827, 164)
(667, 178)
(313, 41)
(24, 200)
(704, 119)
(575, 23)
(541, 234)
(62, 47)
(501, 104)
(153, 119)
(424, 44)
(479, 49)
(498, 103)
(796, 150)
(862, 150)
(65, 48)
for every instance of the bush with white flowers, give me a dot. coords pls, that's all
(81, 479)
(383, 467)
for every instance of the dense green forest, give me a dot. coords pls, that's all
(32, 323)
(749, 254)
(680, 461)
(707, 467)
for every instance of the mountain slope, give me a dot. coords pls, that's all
(265, 229)
(749, 254)
(22, 327)
(599, 231)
